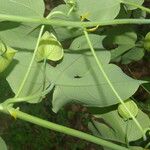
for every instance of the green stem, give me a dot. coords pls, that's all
(63, 129)
(56, 13)
(45, 21)
(145, 89)
(71, 9)
(110, 84)
(44, 73)
(34, 54)
(136, 5)
(33, 57)
(28, 98)
(31, 63)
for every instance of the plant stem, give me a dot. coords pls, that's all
(111, 85)
(63, 129)
(136, 5)
(77, 24)
(28, 98)
(31, 63)
(33, 57)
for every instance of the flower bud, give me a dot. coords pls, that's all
(132, 107)
(6, 56)
(49, 48)
(147, 42)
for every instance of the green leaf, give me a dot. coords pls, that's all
(134, 54)
(2, 144)
(16, 72)
(32, 8)
(7, 54)
(115, 128)
(131, 148)
(124, 13)
(138, 2)
(131, 105)
(81, 44)
(64, 33)
(49, 48)
(98, 10)
(78, 79)
(120, 40)
(136, 148)
(21, 35)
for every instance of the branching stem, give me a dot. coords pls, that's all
(75, 24)
(62, 129)
(110, 84)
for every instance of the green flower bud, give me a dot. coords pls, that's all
(147, 42)
(49, 48)
(6, 56)
(132, 107)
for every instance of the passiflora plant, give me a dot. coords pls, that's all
(35, 61)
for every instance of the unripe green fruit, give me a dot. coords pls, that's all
(49, 48)
(132, 107)
(7, 54)
(147, 42)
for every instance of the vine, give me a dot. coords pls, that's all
(7, 106)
